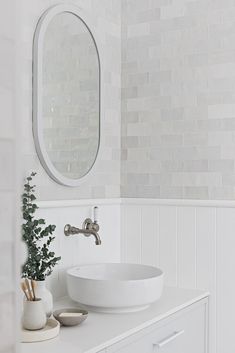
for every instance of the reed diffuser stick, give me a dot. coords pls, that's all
(24, 289)
(33, 286)
(29, 289)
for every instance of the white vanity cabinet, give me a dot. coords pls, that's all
(183, 332)
(177, 323)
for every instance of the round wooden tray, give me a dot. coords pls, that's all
(50, 331)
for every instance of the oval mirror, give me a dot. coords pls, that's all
(66, 95)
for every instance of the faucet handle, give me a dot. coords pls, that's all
(95, 210)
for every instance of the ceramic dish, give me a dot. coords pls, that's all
(50, 331)
(73, 318)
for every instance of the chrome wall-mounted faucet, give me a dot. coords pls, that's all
(89, 228)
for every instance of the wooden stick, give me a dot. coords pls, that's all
(33, 285)
(29, 289)
(24, 289)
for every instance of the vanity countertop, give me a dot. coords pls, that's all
(102, 330)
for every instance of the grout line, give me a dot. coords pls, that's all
(141, 234)
(123, 234)
(157, 263)
(176, 246)
(120, 234)
(195, 244)
(216, 279)
(159, 235)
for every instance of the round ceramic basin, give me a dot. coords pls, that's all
(115, 287)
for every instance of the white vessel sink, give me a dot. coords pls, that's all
(115, 287)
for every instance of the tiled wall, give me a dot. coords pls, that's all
(8, 180)
(104, 20)
(178, 99)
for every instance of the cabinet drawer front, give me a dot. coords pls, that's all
(182, 333)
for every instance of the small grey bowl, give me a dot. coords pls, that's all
(70, 320)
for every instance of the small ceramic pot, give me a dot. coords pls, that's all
(46, 296)
(34, 317)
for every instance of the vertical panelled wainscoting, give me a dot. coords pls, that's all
(194, 243)
(78, 249)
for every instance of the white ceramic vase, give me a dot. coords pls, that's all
(34, 316)
(46, 296)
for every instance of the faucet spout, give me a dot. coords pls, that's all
(97, 237)
(70, 230)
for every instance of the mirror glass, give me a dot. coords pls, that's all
(67, 117)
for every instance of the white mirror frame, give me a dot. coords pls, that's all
(40, 31)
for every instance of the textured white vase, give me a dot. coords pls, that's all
(46, 296)
(34, 316)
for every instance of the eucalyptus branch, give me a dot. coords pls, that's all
(37, 236)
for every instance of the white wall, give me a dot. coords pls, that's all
(193, 242)
(9, 237)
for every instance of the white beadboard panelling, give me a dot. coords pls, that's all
(123, 234)
(206, 240)
(186, 248)
(225, 228)
(131, 234)
(195, 242)
(168, 243)
(206, 263)
(109, 250)
(150, 235)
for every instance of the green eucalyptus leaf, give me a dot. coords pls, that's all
(40, 260)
